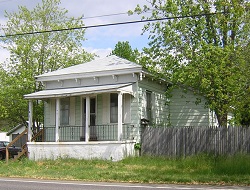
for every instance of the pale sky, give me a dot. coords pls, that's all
(100, 40)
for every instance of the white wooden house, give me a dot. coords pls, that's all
(94, 110)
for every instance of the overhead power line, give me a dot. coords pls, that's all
(110, 24)
(5, 1)
(84, 18)
(114, 14)
(101, 16)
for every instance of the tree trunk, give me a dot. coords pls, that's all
(222, 119)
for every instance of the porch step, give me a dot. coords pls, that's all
(23, 152)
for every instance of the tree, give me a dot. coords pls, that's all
(34, 54)
(124, 50)
(202, 49)
(243, 107)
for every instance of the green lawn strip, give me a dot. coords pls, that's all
(201, 169)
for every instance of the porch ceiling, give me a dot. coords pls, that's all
(125, 88)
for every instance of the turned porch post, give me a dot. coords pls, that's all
(87, 122)
(119, 116)
(30, 120)
(57, 120)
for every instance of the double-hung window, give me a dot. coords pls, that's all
(113, 108)
(64, 111)
(149, 105)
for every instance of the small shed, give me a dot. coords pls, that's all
(15, 131)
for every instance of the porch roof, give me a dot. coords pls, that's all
(64, 92)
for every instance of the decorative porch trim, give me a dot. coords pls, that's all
(78, 91)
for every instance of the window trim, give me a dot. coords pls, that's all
(64, 102)
(149, 106)
(111, 117)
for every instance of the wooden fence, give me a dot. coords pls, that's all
(185, 141)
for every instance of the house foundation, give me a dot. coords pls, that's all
(110, 150)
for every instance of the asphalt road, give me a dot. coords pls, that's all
(30, 184)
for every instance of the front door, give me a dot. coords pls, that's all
(92, 111)
(92, 117)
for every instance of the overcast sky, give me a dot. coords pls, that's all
(100, 40)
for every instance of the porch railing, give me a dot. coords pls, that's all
(106, 132)
(70, 133)
(49, 133)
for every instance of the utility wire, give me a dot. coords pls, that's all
(110, 24)
(114, 14)
(5, 1)
(84, 18)
(107, 15)
(91, 17)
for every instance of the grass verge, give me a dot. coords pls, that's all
(200, 169)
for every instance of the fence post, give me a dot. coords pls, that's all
(7, 155)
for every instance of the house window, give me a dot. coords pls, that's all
(92, 111)
(64, 111)
(113, 108)
(149, 105)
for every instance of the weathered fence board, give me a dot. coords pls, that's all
(184, 141)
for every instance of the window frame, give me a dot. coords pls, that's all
(149, 106)
(113, 108)
(64, 111)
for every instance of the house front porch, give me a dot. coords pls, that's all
(103, 143)
(86, 125)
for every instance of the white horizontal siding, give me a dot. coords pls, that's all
(186, 111)
(135, 111)
(159, 107)
(47, 113)
(78, 112)
(99, 106)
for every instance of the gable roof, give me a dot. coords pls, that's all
(111, 65)
(16, 128)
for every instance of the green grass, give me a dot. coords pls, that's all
(201, 169)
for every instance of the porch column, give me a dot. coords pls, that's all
(30, 120)
(119, 116)
(87, 119)
(57, 120)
